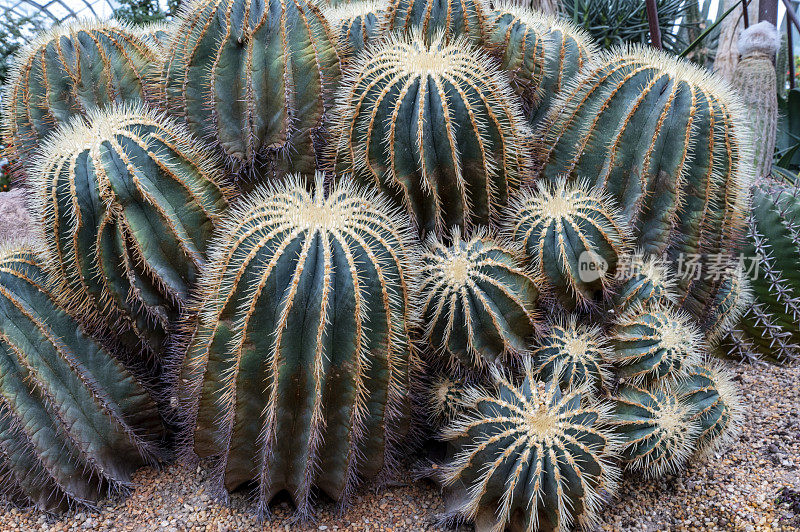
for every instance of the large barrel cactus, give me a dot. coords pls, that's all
(542, 53)
(356, 24)
(71, 70)
(74, 424)
(477, 302)
(573, 237)
(436, 127)
(769, 326)
(126, 205)
(530, 457)
(666, 140)
(435, 19)
(254, 78)
(297, 374)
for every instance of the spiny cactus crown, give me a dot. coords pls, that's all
(435, 127)
(646, 279)
(530, 457)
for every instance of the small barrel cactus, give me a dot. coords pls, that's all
(644, 280)
(445, 400)
(575, 353)
(477, 303)
(297, 373)
(437, 19)
(74, 424)
(654, 342)
(355, 24)
(714, 399)
(255, 78)
(72, 70)
(657, 430)
(126, 205)
(441, 135)
(530, 457)
(573, 237)
(542, 53)
(731, 300)
(667, 141)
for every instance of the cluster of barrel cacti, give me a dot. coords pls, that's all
(295, 238)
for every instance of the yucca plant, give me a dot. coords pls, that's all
(644, 280)
(297, 373)
(666, 140)
(654, 342)
(126, 204)
(573, 237)
(254, 78)
(542, 53)
(437, 20)
(356, 24)
(74, 424)
(477, 302)
(658, 431)
(529, 457)
(436, 127)
(72, 70)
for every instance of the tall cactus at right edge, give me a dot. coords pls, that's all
(255, 78)
(74, 424)
(541, 53)
(667, 141)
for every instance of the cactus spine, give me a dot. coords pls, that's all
(644, 281)
(666, 140)
(477, 302)
(530, 457)
(542, 53)
(303, 334)
(573, 237)
(126, 205)
(356, 24)
(72, 70)
(74, 424)
(254, 78)
(434, 20)
(436, 128)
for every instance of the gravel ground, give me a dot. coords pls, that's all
(753, 486)
(14, 219)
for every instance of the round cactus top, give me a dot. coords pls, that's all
(352, 10)
(546, 23)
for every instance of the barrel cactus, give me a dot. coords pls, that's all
(126, 204)
(355, 24)
(732, 299)
(297, 373)
(437, 19)
(667, 141)
(254, 78)
(74, 424)
(716, 406)
(436, 128)
(654, 342)
(644, 280)
(542, 53)
(159, 33)
(573, 237)
(477, 303)
(530, 457)
(657, 430)
(573, 353)
(71, 70)
(445, 400)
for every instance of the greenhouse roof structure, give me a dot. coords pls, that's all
(55, 11)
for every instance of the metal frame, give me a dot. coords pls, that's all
(59, 10)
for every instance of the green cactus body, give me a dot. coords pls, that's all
(445, 400)
(477, 303)
(731, 300)
(74, 424)
(530, 457)
(542, 53)
(769, 327)
(654, 342)
(575, 353)
(159, 33)
(356, 24)
(435, 20)
(573, 237)
(644, 281)
(255, 78)
(657, 430)
(126, 205)
(72, 70)
(297, 374)
(666, 140)
(714, 399)
(436, 128)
